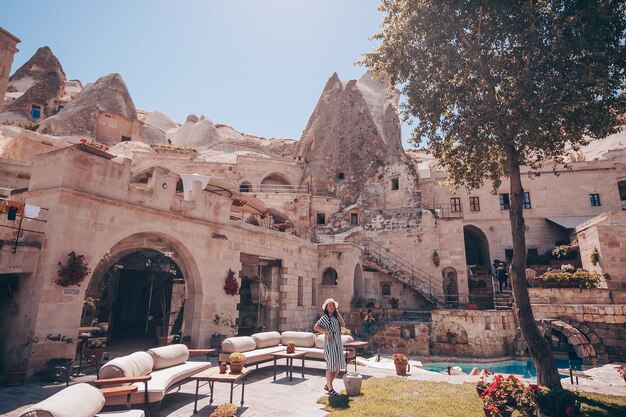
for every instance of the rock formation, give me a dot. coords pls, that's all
(353, 132)
(41, 81)
(80, 116)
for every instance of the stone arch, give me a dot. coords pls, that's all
(275, 183)
(587, 345)
(329, 277)
(450, 284)
(159, 242)
(245, 187)
(476, 246)
(144, 175)
(359, 281)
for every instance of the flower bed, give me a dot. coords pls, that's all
(563, 279)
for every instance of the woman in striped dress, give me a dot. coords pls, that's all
(330, 325)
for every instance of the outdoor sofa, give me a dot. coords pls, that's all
(156, 371)
(259, 347)
(80, 400)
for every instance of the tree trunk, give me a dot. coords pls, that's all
(547, 373)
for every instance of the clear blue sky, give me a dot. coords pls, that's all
(258, 65)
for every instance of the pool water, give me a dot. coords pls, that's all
(526, 368)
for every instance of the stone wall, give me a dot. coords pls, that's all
(410, 339)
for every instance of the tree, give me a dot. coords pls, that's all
(499, 84)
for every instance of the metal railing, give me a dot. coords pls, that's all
(443, 211)
(403, 270)
(274, 188)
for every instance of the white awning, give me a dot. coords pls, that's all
(569, 222)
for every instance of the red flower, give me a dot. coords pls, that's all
(492, 408)
(570, 411)
(83, 140)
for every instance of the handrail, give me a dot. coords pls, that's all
(417, 278)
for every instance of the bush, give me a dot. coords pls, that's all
(585, 279)
(558, 403)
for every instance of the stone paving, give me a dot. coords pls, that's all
(263, 397)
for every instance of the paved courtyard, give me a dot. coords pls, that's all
(263, 397)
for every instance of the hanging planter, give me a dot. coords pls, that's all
(231, 286)
(73, 272)
(594, 256)
(436, 259)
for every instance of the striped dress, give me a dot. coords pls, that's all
(333, 350)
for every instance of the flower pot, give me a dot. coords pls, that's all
(352, 381)
(223, 367)
(15, 378)
(472, 306)
(401, 367)
(291, 349)
(94, 151)
(236, 367)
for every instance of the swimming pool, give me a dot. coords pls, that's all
(526, 368)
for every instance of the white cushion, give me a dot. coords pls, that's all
(122, 413)
(302, 339)
(161, 382)
(167, 356)
(319, 340)
(80, 400)
(266, 339)
(238, 344)
(135, 364)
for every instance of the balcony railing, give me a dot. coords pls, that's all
(274, 188)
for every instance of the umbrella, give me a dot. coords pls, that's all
(245, 203)
(220, 187)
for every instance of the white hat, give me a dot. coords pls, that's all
(330, 300)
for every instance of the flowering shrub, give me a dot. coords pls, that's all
(237, 357)
(585, 279)
(73, 272)
(95, 144)
(231, 286)
(239, 201)
(558, 403)
(400, 357)
(508, 393)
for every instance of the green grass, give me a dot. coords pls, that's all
(399, 397)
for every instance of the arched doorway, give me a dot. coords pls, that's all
(359, 282)
(275, 183)
(139, 290)
(450, 285)
(476, 246)
(329, 277)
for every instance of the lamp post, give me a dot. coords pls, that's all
(149, 267)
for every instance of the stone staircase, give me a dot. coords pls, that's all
(405, 272)
(503, 301)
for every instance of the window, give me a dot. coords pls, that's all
(329, 277)
(508, 255)
(474, 204)
(245, 187)
(35, 112)
(321, 218)
(504, 202)
(385, 289)
(526, 203)
(125, 139)
(455, 204)
(354, 219)
(300, 291)
(341, 176)
(395, 184)
(594, 199)
(314, 292)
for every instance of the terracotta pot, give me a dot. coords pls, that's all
(223, 367)
(291, 349)
(15, 378)
(401, 367)
(236, 367)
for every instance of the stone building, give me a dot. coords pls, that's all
(8, 48)
(344, 212)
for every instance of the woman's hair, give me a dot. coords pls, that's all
(328, 314)
(369, 310)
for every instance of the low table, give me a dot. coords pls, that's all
(354, 346)
(290, 357)
(212, 375)
(122, 390)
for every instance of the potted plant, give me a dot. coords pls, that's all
(622, 371)
(401, 362)
(291, 347)
(225, 410)
(557, 403)
(17, 375)
(236, 362)
(186, 340)
(95, 347)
